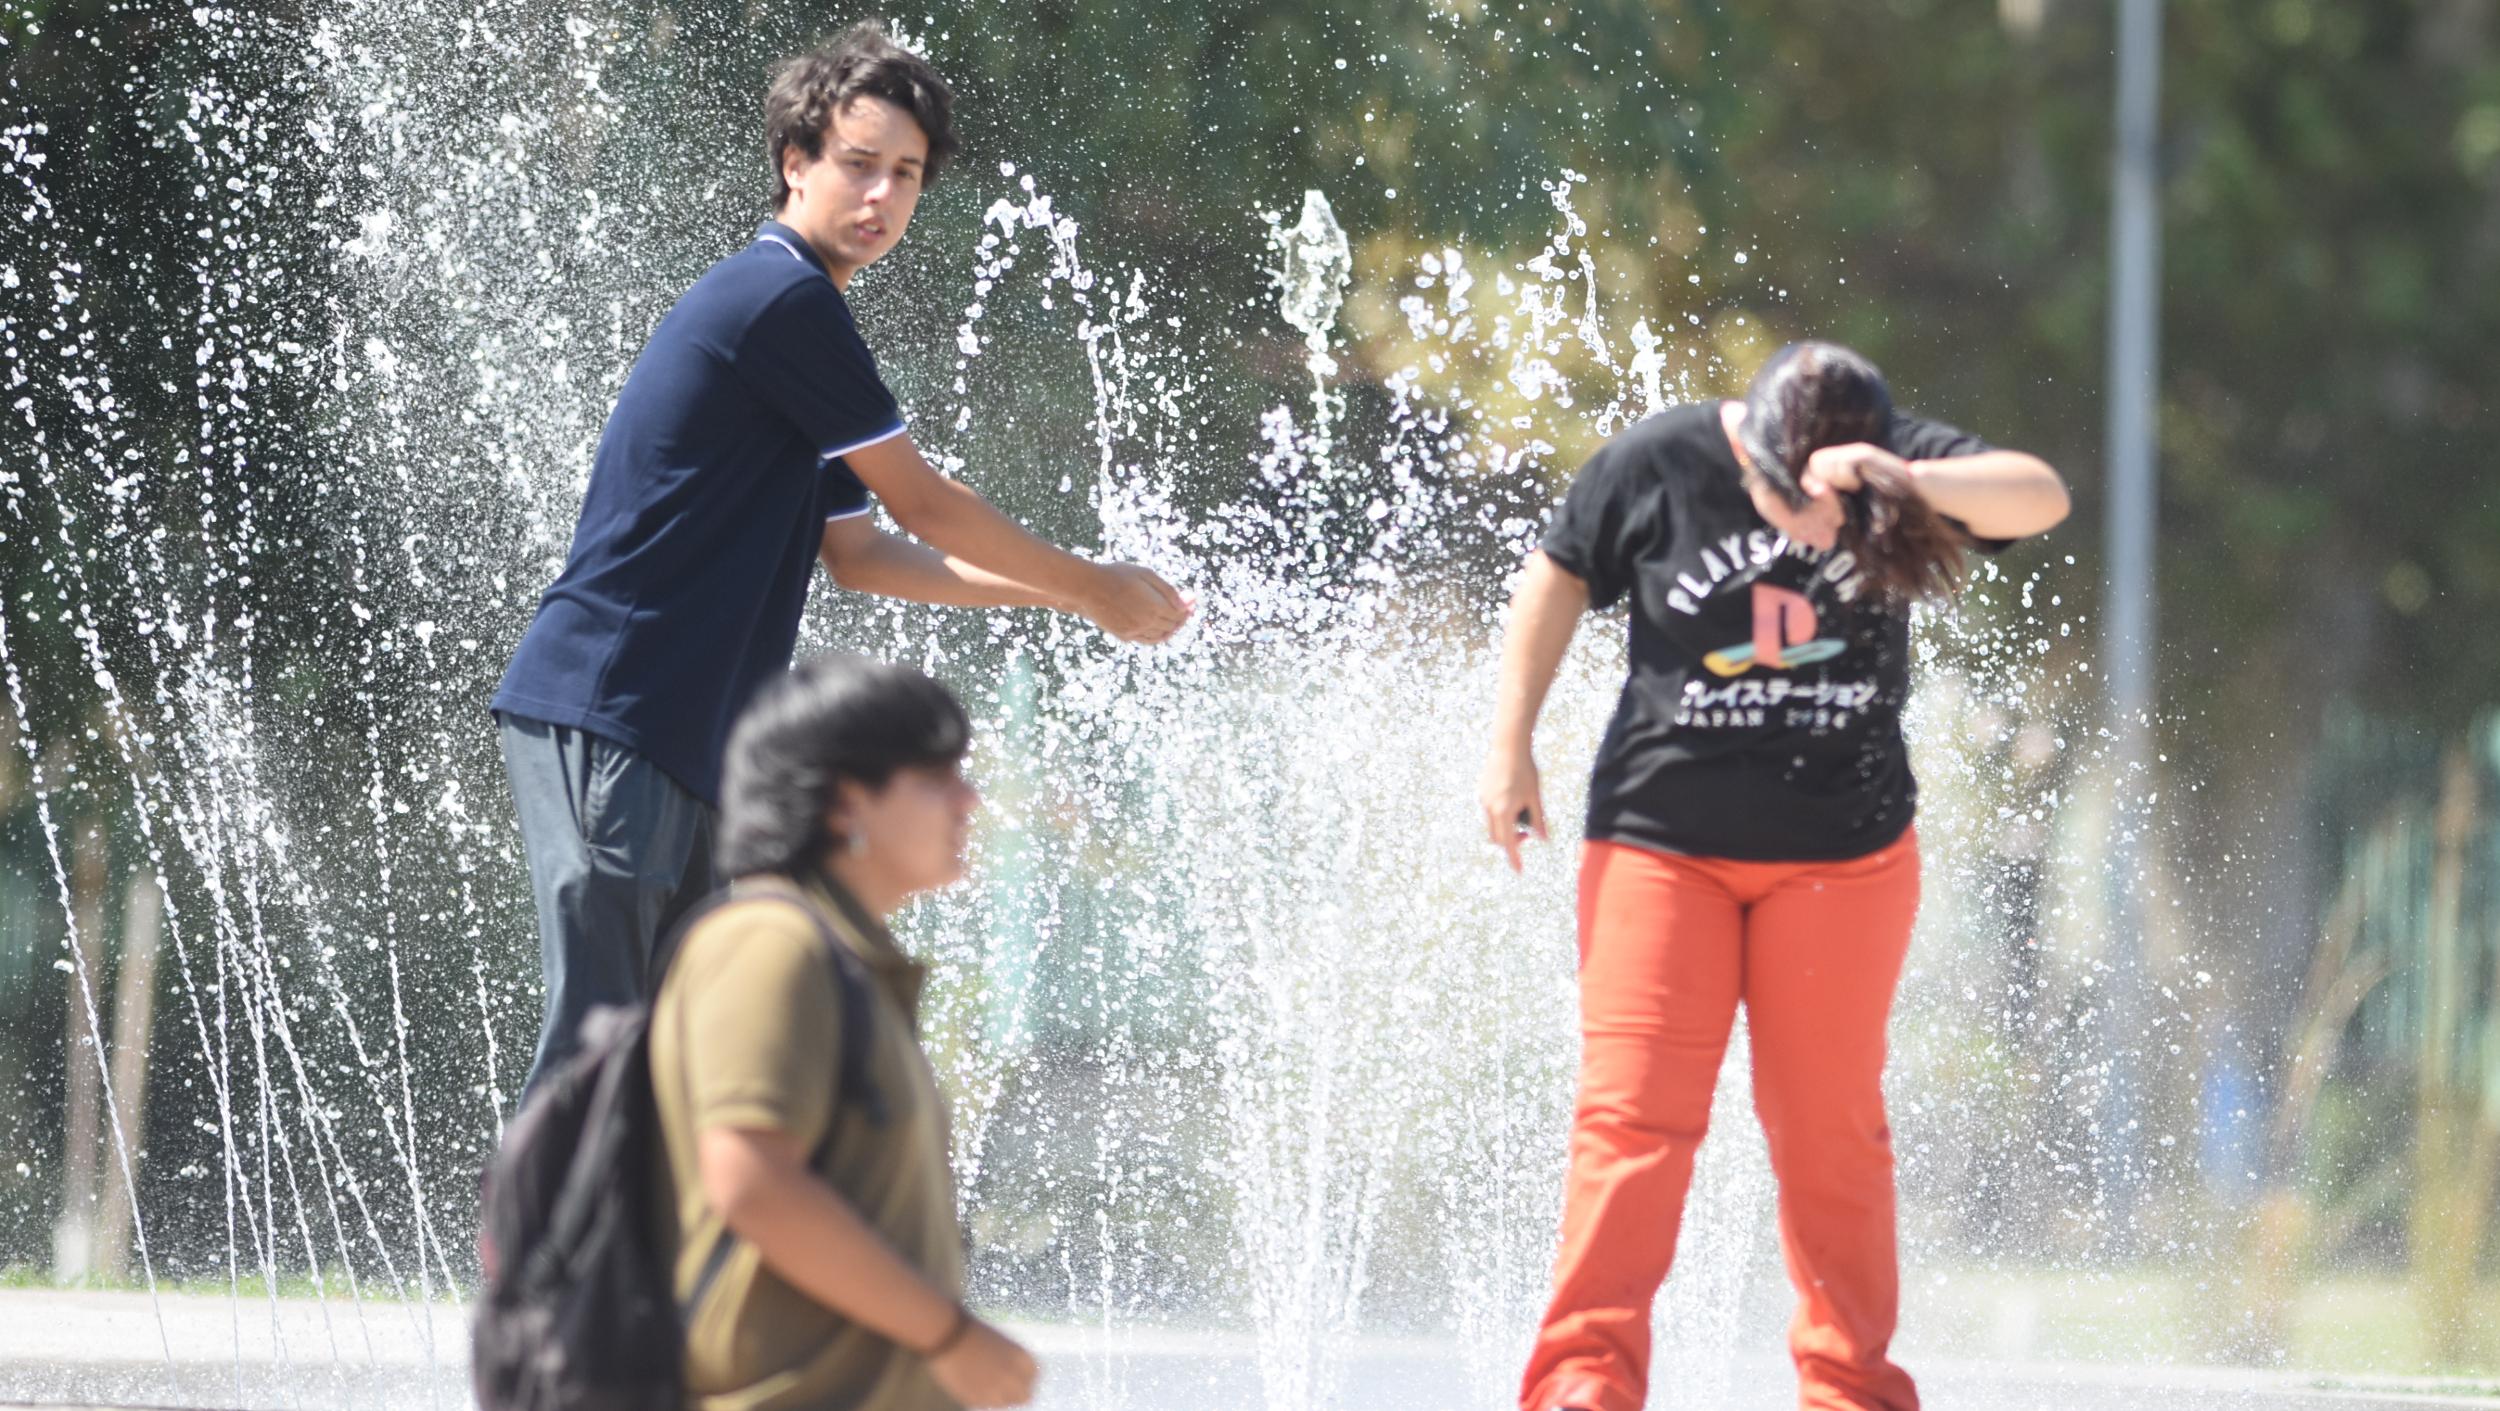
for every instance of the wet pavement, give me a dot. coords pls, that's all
(215, 1354)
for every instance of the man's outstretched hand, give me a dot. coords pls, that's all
(1134, 604)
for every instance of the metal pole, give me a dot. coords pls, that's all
(2134, 373)
(2128, 611)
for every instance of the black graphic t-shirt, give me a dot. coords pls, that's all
(1762, 716)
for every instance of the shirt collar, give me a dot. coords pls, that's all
(791, 244)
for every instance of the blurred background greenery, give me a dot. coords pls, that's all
(1924, 179)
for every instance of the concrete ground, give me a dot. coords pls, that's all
(127, 1351)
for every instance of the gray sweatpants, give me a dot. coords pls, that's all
(618, 851)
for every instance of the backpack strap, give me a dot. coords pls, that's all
(853, 989)
(853, 1085)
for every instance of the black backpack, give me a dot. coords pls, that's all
(578, 1312)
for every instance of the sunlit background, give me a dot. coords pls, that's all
(310, 316)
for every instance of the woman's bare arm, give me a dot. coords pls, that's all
(1545, 612)
(1997, 494)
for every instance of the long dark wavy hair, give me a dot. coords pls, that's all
(1813, 395)
(834, 717)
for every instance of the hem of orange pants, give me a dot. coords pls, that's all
(1581, 1391)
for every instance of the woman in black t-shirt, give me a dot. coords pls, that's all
(1748, 836)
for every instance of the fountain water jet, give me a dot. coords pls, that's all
(1247, 1021)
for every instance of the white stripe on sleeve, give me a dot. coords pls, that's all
(888, 434)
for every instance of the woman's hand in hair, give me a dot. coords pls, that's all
(985, 1367)
(1816, 524)
(1995, 494)
(1839, 470)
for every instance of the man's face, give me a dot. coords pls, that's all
(852, 201)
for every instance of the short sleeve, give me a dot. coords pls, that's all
(1915, 438)
(845, 496)
(761, 1022)
(1592, 533)
(804, 357)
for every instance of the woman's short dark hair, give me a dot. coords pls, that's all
(860, 62)
(834, 717)
(1812, 395)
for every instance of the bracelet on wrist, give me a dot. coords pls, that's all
(954, 1334)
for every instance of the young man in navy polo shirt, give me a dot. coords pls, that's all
(744, 449)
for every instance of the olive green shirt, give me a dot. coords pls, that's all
(747, 1033)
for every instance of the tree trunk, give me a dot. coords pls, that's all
(73, 1234)
(2453, 1136)
(2281, 1239)
(134, 1014)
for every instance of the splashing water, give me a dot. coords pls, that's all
(1241, 1016)
(1311, 978)
(1314, 265)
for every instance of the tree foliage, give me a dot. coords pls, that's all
(1926, 180)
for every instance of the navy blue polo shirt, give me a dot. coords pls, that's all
(707, 506)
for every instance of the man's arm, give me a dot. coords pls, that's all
(1129, 602)
(865, 559)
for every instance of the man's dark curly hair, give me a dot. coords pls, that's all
(860, 62)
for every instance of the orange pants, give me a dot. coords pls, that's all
(1668, 947)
